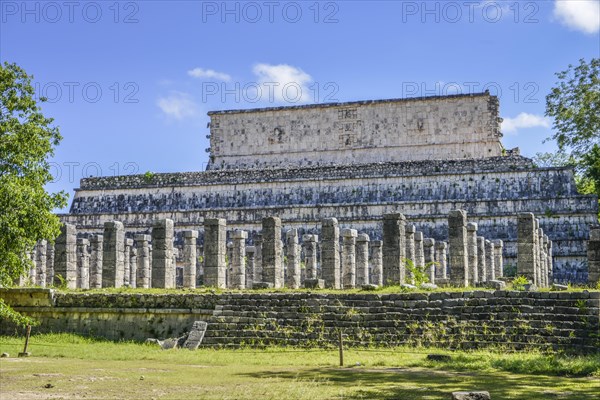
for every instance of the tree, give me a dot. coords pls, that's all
(574, 103)
(27, 141)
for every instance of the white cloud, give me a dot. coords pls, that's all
(178, 105)
(209, 73)
(582, 15)
(524, 120)
(283, 82)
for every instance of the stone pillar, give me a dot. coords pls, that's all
(481, 257)
(163, 267)
(113, 263)
(272, 252)
(127, 262)
(143, 261)
(189, 258)
(458, 256)
(349, 258)
(228, 259)
(50, 264)
(310, 255)
(472, 253)
(41, 250)
(133, 267)
(543, 260)
(97, 248)
(498, 259)
(536, 252)
(409, 238)
(526, 249)
(545, 280)
(376, 263)
(330, 253)
(550, 263)
(541, 257)
(177, 271)
(83, 264)
(258, 258)
(440, 255)
(250, 253)
(31, 256)
(214, 252)
(65, 257)
(429, 258)
(419, 251)
(238, 260)
(394, 250)
(489, 260)
(292, 278)
(362, 259)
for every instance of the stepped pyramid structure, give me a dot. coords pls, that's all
(356, 162)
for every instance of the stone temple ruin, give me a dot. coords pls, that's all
(355, 163)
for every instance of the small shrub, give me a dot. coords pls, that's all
(519, 282)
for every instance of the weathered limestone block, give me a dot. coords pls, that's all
(541, 253)
(429, 258)
(481, 258)
(593, 255)
(310, 255)
(97, 249)
(394, 248)
(214, 252)
(190, 237)
(83, 264)
(65, 257)
(442, 264)
(471, 396)
(330, 253)
(258, 257)
(490, 260)
(349, 258)
(250, 266)
(458, 256)
(376, 263)
(163, 267)
(133, 267)
(526, 246)
(362, 260)
(41, 250)
(127, 262)
(50, 264)
(292, 274)
(409, 237)
(143, 261)
(113, 257)
(238, 260)
(498, 258)
(272, 252)
(472, 254)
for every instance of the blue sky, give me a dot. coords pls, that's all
(130, 82)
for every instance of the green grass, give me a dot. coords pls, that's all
(79, 367)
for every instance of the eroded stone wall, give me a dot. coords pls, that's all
(566, 321)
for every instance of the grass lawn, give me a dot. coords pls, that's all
(71, 367)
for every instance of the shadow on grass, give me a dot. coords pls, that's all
(407, 384)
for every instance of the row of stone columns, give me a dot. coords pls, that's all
(534, 251)
(472, 258)
(112, 260)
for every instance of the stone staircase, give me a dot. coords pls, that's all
(450, 320)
